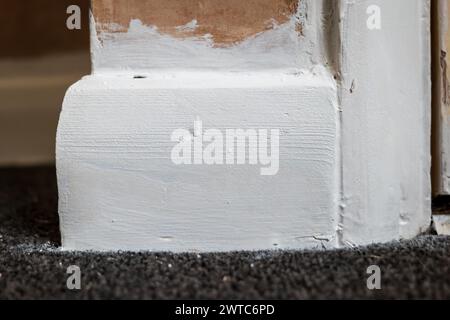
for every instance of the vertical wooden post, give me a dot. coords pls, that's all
(441, 97)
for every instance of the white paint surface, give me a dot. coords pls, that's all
(120, 190)
(145, 48)
(386, 117)
(354, 152)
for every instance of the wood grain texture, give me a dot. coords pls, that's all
(446, 15)
(120, 190)
(441, 97)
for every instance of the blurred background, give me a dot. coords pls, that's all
(39, 59)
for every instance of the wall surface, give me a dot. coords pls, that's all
(39, 60)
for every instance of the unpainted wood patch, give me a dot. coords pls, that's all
(226, 22)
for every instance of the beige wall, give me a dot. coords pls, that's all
(41, 59)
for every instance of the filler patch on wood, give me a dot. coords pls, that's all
(226, 22)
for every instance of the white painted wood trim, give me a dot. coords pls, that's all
(119, 188)
(353, 109)
(386, 117)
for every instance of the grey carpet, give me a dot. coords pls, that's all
(32, 266)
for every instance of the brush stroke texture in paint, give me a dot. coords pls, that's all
(287, 44)
(120, 189)
(386, 191)
(226, 22)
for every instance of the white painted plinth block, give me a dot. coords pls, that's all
(120, 189)
(343, 85)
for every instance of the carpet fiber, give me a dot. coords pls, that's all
(32, 266)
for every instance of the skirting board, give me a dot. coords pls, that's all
(120, 188)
